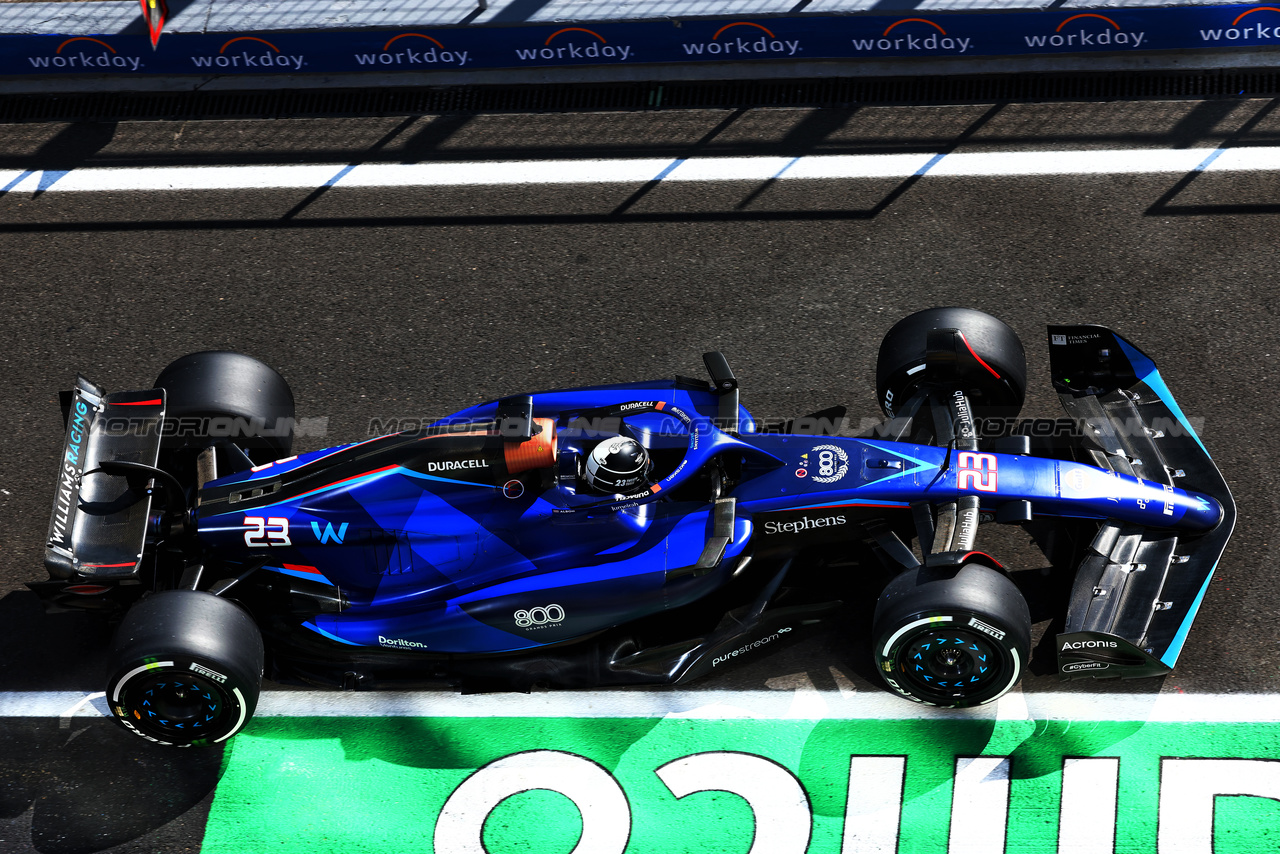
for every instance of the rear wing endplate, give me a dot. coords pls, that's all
(1138, 589)
(99, 522)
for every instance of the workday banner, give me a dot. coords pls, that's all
(857, 37)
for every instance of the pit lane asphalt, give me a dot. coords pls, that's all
(416, 302)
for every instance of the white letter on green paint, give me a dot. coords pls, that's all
(1087, 821)
(606, 818)
(1187, 791)
(873, 810)
(979, 805)
(778, 801)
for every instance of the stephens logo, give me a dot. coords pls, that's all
(1255, 31)
(86, 57)
(414, 53)
(242, 58)
(914, 38)
(1088, 34)
(803, 524)
(749, 46)
(574, 47)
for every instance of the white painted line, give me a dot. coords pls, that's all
(979, 805)
(713, 705)
(1087, 817)
(873, 807)
(1189, 789)
(641, 171)
(64, 719)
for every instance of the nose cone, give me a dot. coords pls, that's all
(1204, 513)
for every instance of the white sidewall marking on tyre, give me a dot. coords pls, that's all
(115, 695)
(240, 722)
(909, 626)
(1017, 670)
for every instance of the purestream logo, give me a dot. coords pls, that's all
(575, 47)
(914, 38)
(85, 57)
(410, 54)
(744, 45)
(1256, 28)
(1088, 34)
(241, 58)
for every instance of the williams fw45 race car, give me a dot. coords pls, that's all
(649, 532)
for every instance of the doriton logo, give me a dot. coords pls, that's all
(84, 56)
(575, 47)
(1254, 31)
(412, 53)
(913, 38)
(1088, 34)
(242, 58)
(400, 643)
(744, 43)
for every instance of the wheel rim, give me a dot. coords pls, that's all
(950, 664)
(177, 706)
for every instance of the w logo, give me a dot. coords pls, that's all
(329, 533)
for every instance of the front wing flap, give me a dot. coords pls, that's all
(1138, 589)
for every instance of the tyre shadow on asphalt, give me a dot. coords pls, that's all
(81, 785)
(50, 652)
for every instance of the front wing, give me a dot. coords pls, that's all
(1138, 589)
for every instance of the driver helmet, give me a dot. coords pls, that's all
(618, 465)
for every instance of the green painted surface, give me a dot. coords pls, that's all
(378, 784)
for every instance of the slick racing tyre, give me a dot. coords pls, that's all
(951, 637)
(995, 379)
(219, 396)
(186, 669)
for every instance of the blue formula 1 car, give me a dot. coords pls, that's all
(642, 533)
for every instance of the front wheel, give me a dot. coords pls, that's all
(186, 669)
(952, 637)
(994, 378)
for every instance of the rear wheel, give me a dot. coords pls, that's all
(951, 637)
(219, 397)
(991, 370)
(186, 669)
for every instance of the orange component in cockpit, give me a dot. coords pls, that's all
(539, 451)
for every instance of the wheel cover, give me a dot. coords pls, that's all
(178, 706)
(945, 665)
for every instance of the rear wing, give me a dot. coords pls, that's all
(1138, 589)
(99, 523)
